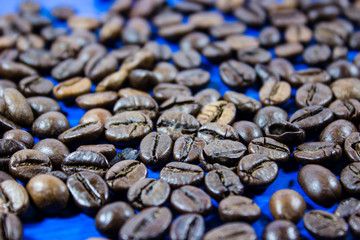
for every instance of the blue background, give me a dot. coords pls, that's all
(73, 224)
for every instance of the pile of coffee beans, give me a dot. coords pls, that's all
(149, 108)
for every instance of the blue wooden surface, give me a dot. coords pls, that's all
(73, 224)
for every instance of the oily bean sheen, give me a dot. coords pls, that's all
(254, 56)
(256, 170)
(151, 223)
(247, 131)
(275, 93)
(352, 147)
(105, 99)
(347, 207)
(324, 225)
(28, 163)
(111, 217)
(40, 105)
(124, 174)
(288, 205)
(270, 148)
(190, 199)
(237, 74)
(212, 131)
(148, 192)
(187, 59)
(54, 149)
(50, 124)
(7, 148)
(238, 208)
(35, 86)
(195, 40)
(188, 226)
(85, 132)
(318, 153)
(232, 231)
(219, 112)
(311, 94)
(11, 226)
(72, 88)
(348, 109)
(20, 135)
(188, 149)
(242, 102)
(68, 68)
(217, 51)
(164, 91)
(282, 68)
(320, 184)
(85, 161)
(178, 174)
(222, 183)
(285, 132)
(337, 131)
(206, 96)
(346, 88)
(88, 190)
(5, 176)
(193, 78)
(281, 229)
(269, 114)
(14, 198)
(125, 154)
(180, 104)
(222, 154)
(96, 114)
(354, 223)
(14, 70)
(108, 150)
(266, 74)
(155, 149)
(145, 104)
(349, 178)
(310, 75)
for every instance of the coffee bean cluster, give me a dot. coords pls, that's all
(152, 104)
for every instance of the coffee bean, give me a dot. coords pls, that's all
(11, 226)
(281, 229)
(41, 105)
(108, 150)
(285, 132)
(217, 51)
(5, 176)
(48, 193)
(348, 109)
(162, 52)
(148, 192)
(222, 154)
(298, 33)
(54, 149)
(29, 41)
(125, 51)
(85, 132)
(206, 20)
(289, 50)
(187, 59)
(29, 7)
(270, 148)
(100, 66)
(347, 207)
(88, 190)
(282, 68)
(142, 79)
(321, 224)
(275, 93)
(14, 198)
(82, 22)
(97, 100)
(111, 217)
(319, 184)
(59, 174)
(50, 124)
(62, 13)
(72, 88)
(348, 178)
(51, 33)
(7, 148)
(126, 92)
(330, 33)
(311, 94)
(242, 42)
(167, 18)
(354, 223)
(247, 131)
(237, 74)
(344, 69)
(20, 135)
(193, 78)
(94, 115)
(144, 104)
(142, 8)
(269, 36)
(144, 59)
(227, 29)
(111, 29)
(346, 88)
(187, 149)
(287, 204)
(175, 31)
(124, 174)
(190, 199)
(39, 59)
(351, 147)
(337, 131)
(231, 231)
(151, 223)
(165, 72)
(219, 112)
(178, 174)
(251, 14)
(212, 131)
(286, 17)
(35, 86)
(180, 104)
(188, 226)
(164, 91)
(6, 84)
(238, 208)
(317, 153)
(195, 40)
(125, 154)
(242, 102)
(254, 56)
(266, 74)
(317, 54)
(206, 96)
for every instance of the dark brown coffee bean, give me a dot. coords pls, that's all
(41, 105)
(266, 74)
(144, 104)
(72, 88)
(88, 190)
(206, 20)
(7, 148)
(232, 231)
(54, 149)
(206, 96)
(222, 154)
(346, 88)
(269, 114)
(4, 83)
(275, 93)
(282, 67)
(187, 149)
(287, 204)
(148, 192)
(285, 132)
(289, 50)
(20, 135)
(165, 91)
(237, 74)
(122, 53)
(151, 223)
(311, 94)
(219, 112)
(351, 147)
(320, 184)
(5, 176)
(347, 207)
(190, 199)
(68, 68)
(175, 31)
(178, 174)
(125, 154)
(337, 131)
(111, 217)
(349, 178)
(50, 124)
(348, 109)
(251, 14)
(111, 29)
(354, 223)
(65, 47)
(317, 54)
(29, 41)
(94, 115)
(242, 102)
(28, 163)
(14, 198)
(124, 174)
(286, 17)
(11, 226)
(108, 150)
(217, 51)
(238, 208)
(269, 36)
(100, 66)
(51, 33)
(62, 13)
(281, 229)
(180, 104)
(321, 224)
(247, 131)
(39, 59)
(59, 174)
(142, 79)
(143, 58)
(217, 131)
(82, 22)
(86, 132)
(188, 226)
(343, 69)
(330, 33)
(162, 52)
(136, 31)
(167, 18)
(270, 148)
(35, 86)
(127, 92)
(165, 72)
(254, 56)
(311, 75)
(242, 42)
(187, 59)
(97, 100)
(317, 153)
(227, 29)
(193, 78)
(196, 41)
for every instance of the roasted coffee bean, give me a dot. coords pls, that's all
(17, 108)
(286, 17)
(126, 92)
(252, 14)
(124, 174)
(339, 52)
(222, 154)
(151, 223)
(193, 78)
(281, 229)
(247, 131)
(187, 59)
(298, 33)
(177, 124)
(237, 74)
(35, 86)
(321, 224)
(312, 118)
(254, 56)
(85, 132)
(111, 217)
(108, 150)
(50, 124)
(242, 102)
(51, 33)
(349, 178)
(206, 20)
(337, 131)
(29, 41)
(88, 190)
(256, 170)
(59, 174)
(354, 223)
(269, 114)
(217, 51)
(142, 79)
(126, 51)
(143, 58)
(318, 153)
(97, 100)
(62, 13)
(7, 148)
(41, 105)
(48, 193)
(346, 88)
(348, 109)
(85, 161)
(343, 69)
(162, 52)
(20, 135)
(311, 94)
(212, 131)
(238, 208)
(125, 154)
(231, 231)
(165, 72)
(111, 29)
(219, 112)
(317, 55)
(287, 204)
(175, 31)
(196, 41)
(11, 226)
(29, 7)
(351, 147)
(136, 31)
(65, 47)
(4, 83)
(155, 149)
(9, 55)
(27, 163)
(289, 50)
(285, 132)
(266, 74)
(178, 174)
(282, 67)
(148, 192)
(100, 66)
(269, 36)
(144, 104)
(206, 96)
(167, 18)
(190, 199)
(347, 207)
(5, 176)
(275, 93)
(143, 8)
(54, 149)
(270, 148)
(320, 184)
(68, 68)
(242, 42)
(180, 104)
(91, 50)
(227, 29)
(82, 22)
(165, 91)
(14, 198)
(72, 88)
(188, 226)
(127, 126)
(187, 149)
(39, 59)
